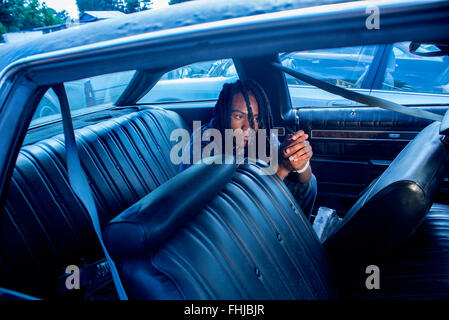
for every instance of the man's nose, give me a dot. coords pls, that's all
(246, 125)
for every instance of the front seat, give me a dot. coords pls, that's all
(394, 205)
(219, 232)
(234, 232)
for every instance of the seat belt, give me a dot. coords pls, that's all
(359, 97)
(6, 294)
(79, 183)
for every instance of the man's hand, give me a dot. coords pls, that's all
(296, 151)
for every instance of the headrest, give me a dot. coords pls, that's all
(394, 205)
(150, 221)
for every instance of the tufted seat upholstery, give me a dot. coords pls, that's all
(240, 235)
(237, 236)
(44, 227)
(395, 204)
(240, 239)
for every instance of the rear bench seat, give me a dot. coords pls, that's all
(44, 227)
(238, 236)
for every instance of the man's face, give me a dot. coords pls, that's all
(239, 114)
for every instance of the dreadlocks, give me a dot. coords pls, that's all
(223, 106)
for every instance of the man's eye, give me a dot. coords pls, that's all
(238, 116)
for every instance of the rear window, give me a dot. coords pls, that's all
(85, 95)
(195, 82)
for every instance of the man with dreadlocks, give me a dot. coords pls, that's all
(243, 105)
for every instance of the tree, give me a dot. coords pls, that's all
(63, 15)
(132, 6)
(24, 15)
(50, 17)
(146, 5)
(177, 1)
(2, 31)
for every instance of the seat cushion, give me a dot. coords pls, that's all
(394, 205)
(45, 228)
(417, 270)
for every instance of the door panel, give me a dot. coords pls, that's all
(353, 146)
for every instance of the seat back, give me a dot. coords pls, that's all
(394, 205)
(224, 232)
(45, 228)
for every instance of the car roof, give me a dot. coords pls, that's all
(208, 30)
(180, 15)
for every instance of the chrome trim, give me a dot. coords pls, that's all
(393, 135)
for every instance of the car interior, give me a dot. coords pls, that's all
(227, 231)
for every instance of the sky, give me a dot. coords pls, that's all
(72, 9)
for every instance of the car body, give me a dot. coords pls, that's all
(108, 68)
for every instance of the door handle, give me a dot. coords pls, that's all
(341, 103)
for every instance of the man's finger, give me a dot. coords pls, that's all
(306, 156)
(290, 143)
(300, 152)
(296, 135)
(291, 149)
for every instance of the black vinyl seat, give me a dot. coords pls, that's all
(45, 228)
(418, 269)
(237, 236)
(240, 235)
(394, 205)
(243, 237)
(396, 226)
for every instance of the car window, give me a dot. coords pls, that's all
(409, 72)
(195, 82)
(346, 67)
(48, 108)
(84, 95)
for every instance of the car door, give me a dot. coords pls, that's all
(354, 144)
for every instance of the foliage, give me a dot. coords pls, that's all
(177, 1)
(24, 15)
